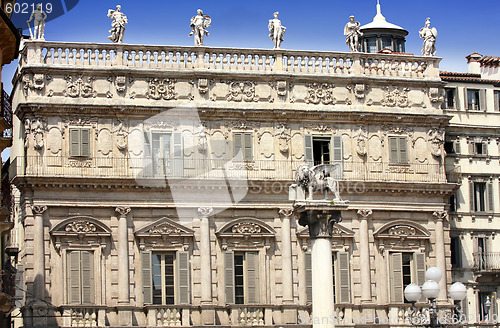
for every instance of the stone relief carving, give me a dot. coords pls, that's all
(435, 95)
(80, 227)
(281, 88)
(436, 138)
(120, 83)
(320, 128)
(205, 211)
(201, 132)
(399, 129)
(396, 97)
(320, 93)
(105, 145)
(402, 230)
(440, 215)
(79, 87)
(122, 210)
(121, 134)
(203, 85)
(35, 82)
(358, 90)
(365, 213)
(241, 91)
(361, 140)
(174, 124)
(161, 89)
(35, 128)
(38, 209)
(242, 125)
(246, 228)
(282, 131)
(165, 229)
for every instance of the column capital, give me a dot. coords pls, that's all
(122, 210)
(320, 222)
(364, 213)
(286, 211)
(38, 209)
(440, 215)
(205, 211)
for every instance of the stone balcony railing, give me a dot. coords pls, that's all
(260, 61)
(139, 168)
(6, 107)
(486, 262)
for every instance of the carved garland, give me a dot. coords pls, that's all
(161, 89)
(320, 93)
(242, 91)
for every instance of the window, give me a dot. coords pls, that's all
(478, 147)
(371, 45)
(242, 277)
(341, 277)
(79, 140)
(324, 150)
(475, 99)
(398, 150)
(243, 141)
(399, 46)
(486, 306)
(496, 100)
(449, 98)
(406, 268)
(163, 153)
(481, 196)
(387, 43)
(165, 277)
(456, 252)
(80, 277)
(453, 201)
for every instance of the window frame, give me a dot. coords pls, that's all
(77, 147)
(396, 151)
(244, 140)
(68, 277)
(418, 267)
(478, 194)
(447, 98)
(171, 166)
(249, 273)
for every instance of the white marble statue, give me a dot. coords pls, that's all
(352, 34)
(317, 178)
(199, 24)
(276, 30)
(119, 20)
(39, 17)
(429, 35)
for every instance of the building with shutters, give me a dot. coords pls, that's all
(472, 142)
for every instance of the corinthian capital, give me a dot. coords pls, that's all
(122, 210)
(205, 211)
(286, 211)
(38, 209)
(440, 215)
(365, 213)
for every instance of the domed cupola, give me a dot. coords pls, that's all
(381, 34)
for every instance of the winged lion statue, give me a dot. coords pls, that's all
(317, 178)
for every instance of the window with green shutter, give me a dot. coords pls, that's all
(79, 140)
(405, 268)
(163, 154)
(80, 277)
(398, 150)
(241, 277)
(243, 142)
(324, 150)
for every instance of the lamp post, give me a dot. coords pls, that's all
(430, 289)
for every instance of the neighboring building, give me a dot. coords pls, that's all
(9, 45)
(473, 144)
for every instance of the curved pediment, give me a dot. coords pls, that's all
(248, 227)
(402, 229)
(338, 231)
(164, 227)
(81, 225)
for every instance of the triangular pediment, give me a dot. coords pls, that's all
(81, 225)
(249, 227)
(402, 229)
(164, 227)
(339, 231)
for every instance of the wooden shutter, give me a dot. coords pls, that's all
(74, 141)
(308, 149)
(456, 144)
(148, 161)
(393, 146)
(466, 100)
(308, 266)
(482, 100)
(147, 288)
(178, 162)
(183, 289)
(85, 142)
(496, 96)
(252, 277)
(472, 149)
(248, 146)
(403, 153)
(73, 275)
(229, 276)
(484, 146)
(87, 276)
(237, 142)
(472, 208)
(344, 281)
(336, 154)
(489, 195)
(396, 278)
(419, 259)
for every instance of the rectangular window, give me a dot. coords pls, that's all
(387, 43)
(479, 196)
(79, 140)
(456, 252)
(80, 277)
(163, 154)
(398, 150)
(399, 46)
(243, 142)
(406, 268)
(165, 277)
(496, 100)
(473, 99)
(371, 45)
(241, 277)
(449, 98)
(324, 150)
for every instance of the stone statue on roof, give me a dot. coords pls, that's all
(117, 25)
(429, 35)
(199, 25)
(352, 34)
(39, 17)
(276, 30)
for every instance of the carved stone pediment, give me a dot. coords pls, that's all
(338, 231)
(402, 229)
(164, 227)
(81, 226)
(246, 227)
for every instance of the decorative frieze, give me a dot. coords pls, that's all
(320, 93)
(396, 97)
(79, 87)
(161, 89)
(241, 91)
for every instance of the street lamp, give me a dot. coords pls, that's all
(430, 289)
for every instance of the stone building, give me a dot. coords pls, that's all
(472, 143)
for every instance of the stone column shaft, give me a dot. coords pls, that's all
(322, 283)
(123, 260)
(364, 253)
(440, 252)
(207, 313)
(38, 252)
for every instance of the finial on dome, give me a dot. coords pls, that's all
(379, 16)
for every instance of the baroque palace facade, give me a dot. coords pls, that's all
(152, 183)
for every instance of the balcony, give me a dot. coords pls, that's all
(205, 169)
(486, 262)
(6, 109)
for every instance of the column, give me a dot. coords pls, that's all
(290, 314)
(440, 216)
(320, 224)
(124, 314)
(207, 314)
(38, 308)
(364, 254)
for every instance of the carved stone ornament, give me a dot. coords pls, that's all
(320, 223)
(122, 210)
(239, 91)
(358, 90)
(396, 97)
(38, 209)
(246, 228)
(365, 213)
(121, 136)
(436, 138)
(201, 132)
(79, 87)
(434, 95)
(121, 83)
(203, 85)
(320, 93)
(402, 230)
(161, 89)
(440, 215)
(361, 141)
(283, 134)
(37, 82)
(281, 88)
(80, 227)
(165, 229)
(205, 211)
(35, 128)
(286, 211)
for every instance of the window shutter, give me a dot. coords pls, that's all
(472, 151)
(74, 277)
(85, 142)
(147, 289)
(420, 270)
(229, 276)
(248, 146)
(457, 146)
(482, 100)
(87, 270)
(485, 148)
(183, 273)
(74, 140)
(496, 97)
(336, 153)
(345, 286)
(466, 100)
(308, 149)
(396, 278)
(489, 191)
(148, 163)
(308, 267)
(393, 145)
(178, 161)
(237, 142)
(471, 196)
(252, 277)
(403, 153)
